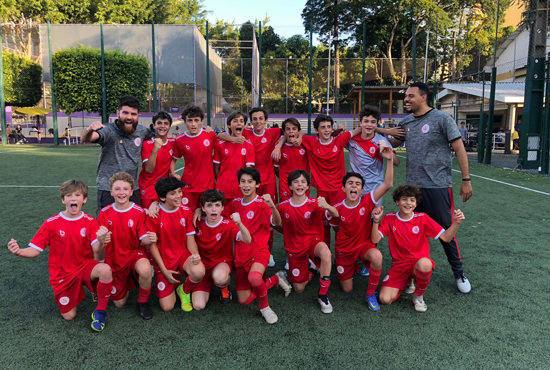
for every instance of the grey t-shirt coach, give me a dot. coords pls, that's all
(428, 139)
(119, 152)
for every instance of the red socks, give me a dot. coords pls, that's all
(103, 294)
(144, 295)
(374, 279)
(325, 283)
(189, 285)
(422, 280)
(272, 281)
(259, 288)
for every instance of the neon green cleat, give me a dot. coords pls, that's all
(185, 299)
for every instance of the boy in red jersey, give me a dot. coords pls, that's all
(230, 157)
(302, 221)
(175, 251)
(156, 156)
(71, 262)
(257, 214)
(126, 224)
(215, 237)
(408, 234)
(195, 146)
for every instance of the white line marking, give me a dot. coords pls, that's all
(179, 169)
(18, 151)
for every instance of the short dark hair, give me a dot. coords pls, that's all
(234, 115)
(292, 121)
(422, 87)
(212, 196)
(129, 101)
(251, 171)
(322, 118)
(162, 115)
(296, 174)
(407, 191)
(192, 110)
(369, 110)
(353, 174)
(165, 185)
(256, 110)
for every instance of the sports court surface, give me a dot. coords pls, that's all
(502, 324)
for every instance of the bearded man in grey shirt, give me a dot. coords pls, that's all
(429, 134)
(121, 143)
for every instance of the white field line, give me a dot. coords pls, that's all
(17, 151)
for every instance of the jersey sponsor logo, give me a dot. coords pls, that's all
(184, 200)
(386, 277)
(182, 222)
(83, 232)
(372, 150)
(362, 211)
(199, 233)
(394, 229)
(340, 269)
(142, 192)
(250, 215)
(264, 140)
(307, 215)
(130, 223)
(62, 233)
(416, 229)
(64, 300)
(171, 152)
(206, 143)
(110, 223)
(137, 141)
(161, 225)
(335, 149)
(218, 236)
(243, 151)
(342, 218)
(284, 155)
(113, 291)
(226, 151)
(302, 151)
(187, 147)
(425, 128)
(287, 215)
(296, 272)
(161, 286)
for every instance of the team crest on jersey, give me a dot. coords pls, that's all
(302, 151)
(64, 301)
(182, 222)
(362, 211)
(218, 236)
(161, 286)
(286, 215)
(284, 155)
(307, 215)
(340, 269)
(113, 291)
(264, 140)
(199, 233)
(335, 149)
(416, 229)
(372, 150)
(143, 192)
(83, 232)
(296, 272)
(137, 141)
(250, 215)
(62, 233)
(243, 151)
(425, 128)
(386, 277)
(342, 218)
(161, 225)
(394, 229)
(187, 147)
(184, 200)
(206, 142)
(171, 152)
(130, 223)
(226, 151)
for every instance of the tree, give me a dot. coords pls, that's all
(22, 80)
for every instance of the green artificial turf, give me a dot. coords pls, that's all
(501, 324)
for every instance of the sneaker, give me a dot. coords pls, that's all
(98, 317)
(313, 267)
(411, 288)
(364, 271)
(226, 296)
(94, 297)
(269, 316)
(185, 299)
(271, 261)
(326, 307)
(372, 302)
(145, 310)
(419, 304)
(283, 283)
(286, 265)
(463, 284)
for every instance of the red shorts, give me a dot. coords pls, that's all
(146, 203)
(69, 293)
(270, 189)
(298, 264)
(346, 264)
(332, 197)
(191, 199)
(164, 287)
(400, 274)
(126, 279)
(241, 273)
(205, 285)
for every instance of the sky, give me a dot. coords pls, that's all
(284, 15)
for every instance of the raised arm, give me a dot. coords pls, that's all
(25, 252)
(245, 234)
(376, 217)
(324, 205)
(232, 139)
(275, 216)
(149, 164)
(90, 135)
(449, 234)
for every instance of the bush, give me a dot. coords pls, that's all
(22, 81)
(77, 77)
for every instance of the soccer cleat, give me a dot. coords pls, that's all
(283, 282)
(372, 302)
(411, 288)
(463, 284)
(226, 296)
(271, 261)
(313, 267)
(185, 299)
(98, 317)
(269, 316)
(94, 297)
(145, 310)
(364, 272)
(326, 307)
(419, 304)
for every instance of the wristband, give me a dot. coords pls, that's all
(375, 222)
(467, 179)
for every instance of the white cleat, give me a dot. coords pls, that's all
(411, 288)
(419, 304)
(463, 284)
(269, 316)
(283, 283)
(325, 307)
(271, 261)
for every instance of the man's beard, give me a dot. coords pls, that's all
(126, 130)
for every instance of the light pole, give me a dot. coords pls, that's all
(426, 56)
(328, 79)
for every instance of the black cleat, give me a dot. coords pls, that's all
(145, 310)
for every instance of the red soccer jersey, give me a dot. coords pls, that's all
(256, 217)
(231, 158)
(70, 241)
(172, 229)
(327, 160)
(198, 173)
(263, 147)
(128, 228)
(355, 224)
(147, 180)
(301, 223)
(292, 158)
(408, 239)
(216, 242)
